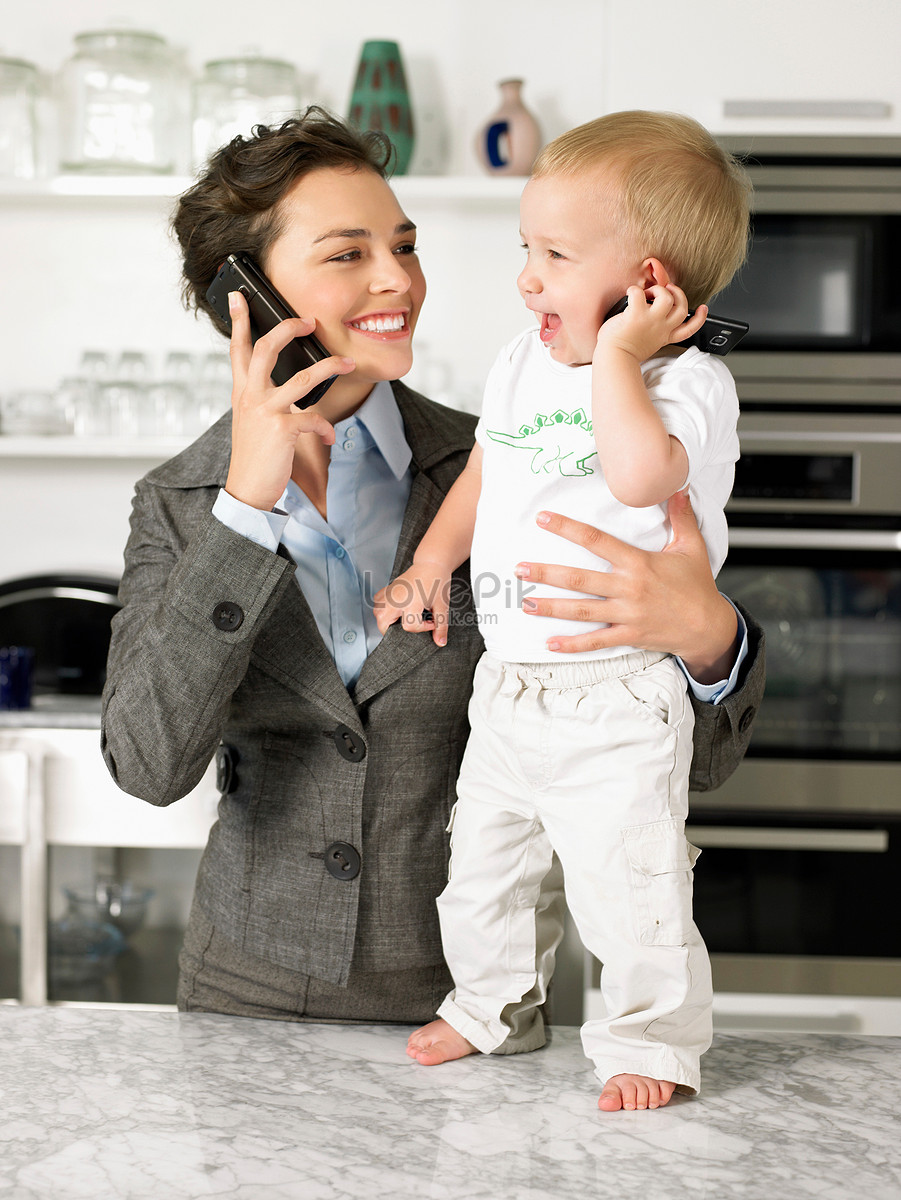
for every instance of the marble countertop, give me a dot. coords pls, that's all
(123, 1105)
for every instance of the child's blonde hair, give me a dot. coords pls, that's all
(682, 198)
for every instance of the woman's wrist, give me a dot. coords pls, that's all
(709, 655)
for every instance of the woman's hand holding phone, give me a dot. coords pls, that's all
(265, 422)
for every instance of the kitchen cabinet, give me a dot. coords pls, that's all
(784, 56)
(56, 793)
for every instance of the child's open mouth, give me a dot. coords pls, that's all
(550, 327)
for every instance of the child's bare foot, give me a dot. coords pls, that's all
(634, 1091)
(438, 1042)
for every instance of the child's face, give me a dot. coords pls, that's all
(578, 265)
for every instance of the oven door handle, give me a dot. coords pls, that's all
(815, 539)
(736, 837)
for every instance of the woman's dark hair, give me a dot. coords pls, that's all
(234, 207)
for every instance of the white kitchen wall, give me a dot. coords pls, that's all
(88, 273)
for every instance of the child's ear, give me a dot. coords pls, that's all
(655, 273)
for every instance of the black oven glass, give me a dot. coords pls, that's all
(833, 650)
(818, 283)
(808, 477)
(780, 896)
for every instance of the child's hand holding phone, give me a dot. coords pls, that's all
(645, 321)
(715, 335)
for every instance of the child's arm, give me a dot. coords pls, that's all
(426, 585)
(642, 463)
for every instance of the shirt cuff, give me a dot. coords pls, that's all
(713, 693)
(264, 528)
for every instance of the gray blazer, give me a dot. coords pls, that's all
(330, 842)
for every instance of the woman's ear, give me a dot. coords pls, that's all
(655, 273)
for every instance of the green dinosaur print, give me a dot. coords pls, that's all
(557, 441)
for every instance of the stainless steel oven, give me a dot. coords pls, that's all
(796, 891)
(819, 287)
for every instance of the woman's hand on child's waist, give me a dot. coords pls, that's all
(657, 600)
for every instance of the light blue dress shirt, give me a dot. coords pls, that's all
(342, 562)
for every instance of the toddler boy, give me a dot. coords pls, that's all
(582, 761)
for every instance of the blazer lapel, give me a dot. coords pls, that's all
(291, 650)
(399, 652)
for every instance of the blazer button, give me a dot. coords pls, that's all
(745, 721)
(342, 860)
(227, 616)
(348, 744)
(226, 773)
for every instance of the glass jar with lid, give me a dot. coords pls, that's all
(234, 94)
(117, 103)
(18, 119)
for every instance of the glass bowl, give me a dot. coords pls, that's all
(122, 905)
(82, 951)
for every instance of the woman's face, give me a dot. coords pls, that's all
(347, 257)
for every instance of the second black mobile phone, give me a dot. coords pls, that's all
(239, 273)
(718, 335)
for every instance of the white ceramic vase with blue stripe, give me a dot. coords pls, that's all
(510, 139)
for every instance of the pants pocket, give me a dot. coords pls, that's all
(661, 861)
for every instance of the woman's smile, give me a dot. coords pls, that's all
(391, 326)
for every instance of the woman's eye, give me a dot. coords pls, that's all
(406, 248)
(347, 256)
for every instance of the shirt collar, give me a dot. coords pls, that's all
(381, 417)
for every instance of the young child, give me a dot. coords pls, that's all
(583, 761)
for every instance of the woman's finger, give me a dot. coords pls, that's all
(271, 344)
(304, 381)
(686, 534)
(595, 639)
(565, 609)
(240, 346)
(602, 545)
(313, 422)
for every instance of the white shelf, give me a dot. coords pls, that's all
(76, 447)
(429, 188)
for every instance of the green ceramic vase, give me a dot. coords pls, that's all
(380, 99)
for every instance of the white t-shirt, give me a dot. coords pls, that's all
(539, 453)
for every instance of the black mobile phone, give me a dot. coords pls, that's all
(239, 273)
(718, 335)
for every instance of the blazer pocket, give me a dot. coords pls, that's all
(284, 821)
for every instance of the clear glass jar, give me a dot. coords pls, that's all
(18, 119)
(117, 104)
(234, 94)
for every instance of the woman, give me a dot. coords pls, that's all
(337, 750)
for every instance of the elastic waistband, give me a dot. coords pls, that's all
(582, 673)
